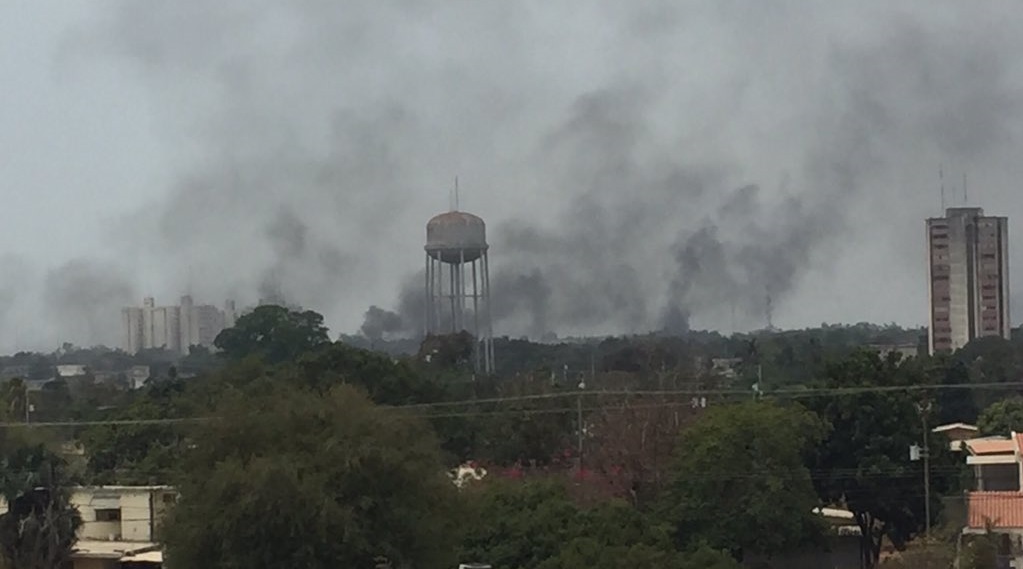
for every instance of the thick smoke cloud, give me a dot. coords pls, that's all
(641, 165)
(84, 298)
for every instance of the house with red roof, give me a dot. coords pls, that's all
(997, 502)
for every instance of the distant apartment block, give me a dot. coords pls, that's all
(174, 328)
(968, 274)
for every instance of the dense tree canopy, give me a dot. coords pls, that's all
(740, 483)
(863, 462)
(537, 524)
(273, 333)
(270, 428)
(1002, 417)
(38, 529)
(293, 478)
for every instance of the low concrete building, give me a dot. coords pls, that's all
(957, 434)
(121, 526)
(72, 370)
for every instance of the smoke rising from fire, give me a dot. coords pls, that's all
(641, 165)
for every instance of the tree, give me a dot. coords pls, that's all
(589, 553)
(705, 557)
(982, 551)
(632, 445)
(15, 399)
(133, 453)
(864, 463)
(953, 405)
(536, 524)
(518, 525)
(38, 529)
(385, 380)
(739, 481)
(1002, 418)
(293, 478)
(142, 452)
(273, 333)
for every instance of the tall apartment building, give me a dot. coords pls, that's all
(174, 328)
(968, 273)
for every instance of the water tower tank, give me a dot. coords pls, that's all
(456, 237)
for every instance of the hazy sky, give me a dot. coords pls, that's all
(630, 158)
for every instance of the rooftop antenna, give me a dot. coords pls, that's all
(453, 196)
(941, 181)
(965, 195)
(770, 310)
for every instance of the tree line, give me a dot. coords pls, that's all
(297, 450)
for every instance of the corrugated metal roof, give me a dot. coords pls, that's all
(94, 549)
(147, 557)
(1001, 509)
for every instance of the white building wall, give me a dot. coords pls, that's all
(140, 508)
(132, 331)
(173, 328)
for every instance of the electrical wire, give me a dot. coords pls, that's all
(788, 393)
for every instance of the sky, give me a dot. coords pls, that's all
(642, 165)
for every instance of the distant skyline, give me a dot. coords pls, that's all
(635, 162)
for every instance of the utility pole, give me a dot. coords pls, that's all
(924, 410)
(579, 423)
(917, 453)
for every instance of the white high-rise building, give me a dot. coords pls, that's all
(175, 328)
(968, 272)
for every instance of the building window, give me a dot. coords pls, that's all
(108, 515)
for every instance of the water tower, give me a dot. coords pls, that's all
(458, 282)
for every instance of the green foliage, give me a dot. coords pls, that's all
(980, 552)
(1002, 418)
(953, 405)
(525, 433)
(740, 483)
(293, 478)
(38, 529)
(274, 334)
(864, 463)
(385, 380)
(13, 399)
(142, 453)
(518, 525)
(522, 525)
(590, 553)
(707, 558)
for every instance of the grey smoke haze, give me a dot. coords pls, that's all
(81, 296)
(640, 165)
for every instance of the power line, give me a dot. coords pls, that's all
(781, 393)
(786, 393)
(111, 422)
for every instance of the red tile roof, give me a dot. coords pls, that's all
(992, 446)
(1000, 509)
